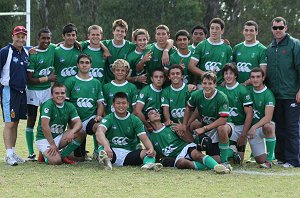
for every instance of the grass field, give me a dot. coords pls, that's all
(87, 180)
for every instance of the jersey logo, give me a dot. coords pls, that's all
(46, 110)
(103, 120)
(112, 109)
(248, 97)
(141, 95)
(162, 99)
(207, 119)
(233, 111)
(69, 71)
(41, 61)
(96, 72)
(185, 79)
(212, 66)
(243, 67)
(120, 141)
(256, 114)
(84, 102)
(168, 150)
(45, 72)
(61, 60)
(178, 113)
(57, 128)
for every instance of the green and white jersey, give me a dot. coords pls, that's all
(212, 56)
(248, 56)
(210, 108)
(261, 99)
(150, 97)
(166, 142)
(117, 52)
(123, 132)
(110, 89)
(238, 97)
(41, 65)
(175, 99)
(84, 94)
(98, 62)
(192, 48)
(65, 62)
(58, 116)
(155, 61)
(176, 58)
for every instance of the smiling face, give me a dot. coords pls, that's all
(176, 77)
(229, 77)
(141, 42)
(182, 42)
(209, 87)
(121, 105)
(279, 30)
(250, 34)
(69, 38)
(119, 34)
(95, 36)
(44, 40)
(19, 40)
(59, 95)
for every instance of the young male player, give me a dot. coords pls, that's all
(52, 135)
(250, 53)
(199, 33)
(40, 74)
(168, 144)
(118, 136)
(262, 125)
(85, 93)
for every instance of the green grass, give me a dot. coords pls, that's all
(88, 180)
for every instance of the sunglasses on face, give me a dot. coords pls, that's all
(278, 27)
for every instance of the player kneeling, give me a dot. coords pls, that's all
(117, 136)
(51, 136)
(168, 144)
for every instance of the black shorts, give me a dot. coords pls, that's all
(132, 159)
(214, 149)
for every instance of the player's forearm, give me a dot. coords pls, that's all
(170, 44)
(140, 66)
(146, 142)
(166, 113)
(100, 137)
(48, 135)
(77, 125)
(219, 122)
(248, 120)
(195, 70)
(100, 109)
(186, 117)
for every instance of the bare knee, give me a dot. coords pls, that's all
(269, 130)
(223, 132)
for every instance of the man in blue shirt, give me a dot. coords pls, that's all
(13, 79)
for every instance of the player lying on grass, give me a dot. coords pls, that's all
(52, 135)
(168, 144)
(118, 136)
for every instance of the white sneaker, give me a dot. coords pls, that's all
(221, 169)
(287, 165)
(10, 160)
(19, 159)
(104, 160)
(227, 165)
(278, 162)
(152, 166)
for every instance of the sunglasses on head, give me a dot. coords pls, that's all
(278, 27)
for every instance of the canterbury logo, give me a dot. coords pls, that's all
(96, 72)
(120, 141)
(243, 67)
(85, 102)
(69, 71)
(56, 128)
(178, 113)
(168, 150)
(256, 114)
(213, 66)
(208, 120)
(45, 72)
(233, 111)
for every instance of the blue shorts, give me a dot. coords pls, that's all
(13, 103)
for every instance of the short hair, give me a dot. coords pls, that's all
(44, 30)
(175, 66)
(251, 23)
(148, 110)
(56, 84)
(182, 33)
(210, 76)
(121, 63)
(138, 32)
(232, 67)
(121, 23)
(279, 19)
(95, 27)
(258, 69)
(218, 21)
(160, 69)
(70, 27)
(84, 56)
(163, 27)
(199, 27)
(120, 95)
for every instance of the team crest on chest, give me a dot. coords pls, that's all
(61, 60)
(77, 89)
(41, 61)
(253, 55)
(141, 95)
(15, 59)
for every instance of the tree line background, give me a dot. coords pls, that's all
(176, 14)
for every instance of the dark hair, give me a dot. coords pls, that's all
(218, 21)
(232, 67)
(182, 33)
(279, 19)
(257, 69)
(43, 30)
(57, 85)
(84, 56)
(162, 27)
(158, 69)
(199, 27)
(175, 66)
(251, 23)
(210, 76)
(120, 95)
(69, 28)
(148, 110)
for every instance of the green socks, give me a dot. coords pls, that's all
(148, 160)
(270, 144)
(224, 150)
(70, 148)
(209, 162)
(199, 166)
(29, 140)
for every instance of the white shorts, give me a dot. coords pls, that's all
(213, 134)
(120, 156)
(237, 132)
(43, 144)
(258, 143)
(183, 153)
(85, 123)
(38, 97)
